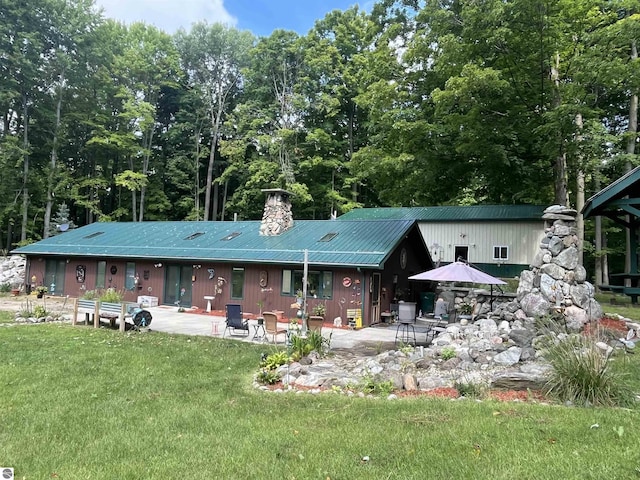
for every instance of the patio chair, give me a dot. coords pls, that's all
(271, 325)
(235, 322)
(441, 309)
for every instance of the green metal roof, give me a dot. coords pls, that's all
(449, 213)
(617, 199)
(356, 243)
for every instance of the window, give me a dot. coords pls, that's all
(194, 235)
(237, 283)
(319, 284)
(231, 236)
(101, 273)
(328, 237)
(129, 276)
(500, 252)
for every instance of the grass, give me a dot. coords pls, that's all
(81, 403)
(7, 317)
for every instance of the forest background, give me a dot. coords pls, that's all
(415, 103)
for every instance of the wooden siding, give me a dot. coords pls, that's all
(522, 238)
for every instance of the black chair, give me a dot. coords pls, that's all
(235, 322)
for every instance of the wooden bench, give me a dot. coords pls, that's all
(98, 310)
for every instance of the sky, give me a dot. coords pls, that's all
(261, 17)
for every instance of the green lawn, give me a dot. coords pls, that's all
(79, 403)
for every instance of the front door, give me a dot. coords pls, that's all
(54, 276)
(375, 298)
(177, 285)
(461, 252)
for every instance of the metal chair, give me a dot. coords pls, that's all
(271, 325)
(235, 322)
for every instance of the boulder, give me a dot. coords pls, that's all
(535, 305)
(567, 258)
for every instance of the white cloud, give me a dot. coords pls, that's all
(168, 15)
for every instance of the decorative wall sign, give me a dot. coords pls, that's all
(81, 273)
(403, 258)
(264, 278)
(145, 274)
(346, 282)
(113, 270)
(212, 273)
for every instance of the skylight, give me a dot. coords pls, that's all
(230, 236)
(94, 234)
(328, 237)
(194, 235)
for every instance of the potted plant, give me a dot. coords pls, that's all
(319, 310)
(465, 311)
(41, 291)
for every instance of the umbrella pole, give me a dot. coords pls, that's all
(491, 298)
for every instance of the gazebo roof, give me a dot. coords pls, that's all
(617, 200)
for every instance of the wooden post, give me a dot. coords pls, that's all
(96, 315)
(75, 312)
(123, 311)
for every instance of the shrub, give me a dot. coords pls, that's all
(319, 310)
(447, 353)
(469, 390)
(372, 385)
(553, 322)
(39, 311)
(267, 376)
(111, 295)
(274, 360)
(5, 288)
(90, 295)
(582, 374)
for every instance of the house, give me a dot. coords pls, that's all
(353, 266)
(501, 240)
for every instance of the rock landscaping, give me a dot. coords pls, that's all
(500, 347)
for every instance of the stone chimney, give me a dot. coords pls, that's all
(277, 217)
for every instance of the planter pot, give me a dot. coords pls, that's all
(15, 292)
(39, 295)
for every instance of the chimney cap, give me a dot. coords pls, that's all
(277, 190)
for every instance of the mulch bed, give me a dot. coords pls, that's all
(443, 392)
(608, 323)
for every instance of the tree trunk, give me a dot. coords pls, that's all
(561, 190)
(598, 257)
(224, 199)
(580, 193)
(216, 118)
(145, 169)
(54, 160)
(632, 132)
(207, 192)
(25, 167)
(214, 208)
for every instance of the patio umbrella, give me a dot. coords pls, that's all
(457, 272)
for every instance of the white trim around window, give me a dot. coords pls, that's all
(501, 253)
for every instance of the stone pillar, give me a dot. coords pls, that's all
(556, 281)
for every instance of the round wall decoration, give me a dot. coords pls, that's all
(113, 270)
(346, 282)
(403, 258)
(264, 278)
